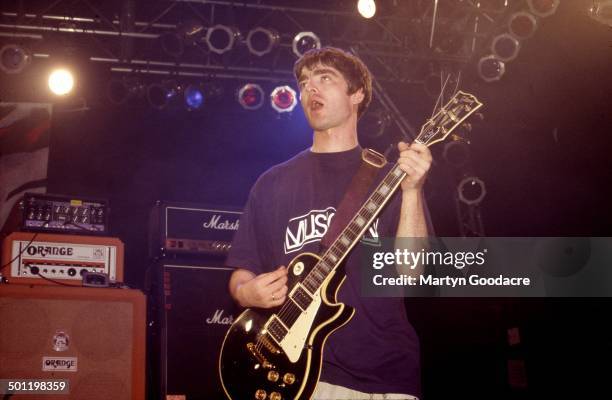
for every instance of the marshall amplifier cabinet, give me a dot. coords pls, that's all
(93, 339)
(189, 229)
(32, 257)
(194, 311)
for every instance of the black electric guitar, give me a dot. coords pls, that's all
(277, 354)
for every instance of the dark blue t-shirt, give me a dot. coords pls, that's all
(287, 213)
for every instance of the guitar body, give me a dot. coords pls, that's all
(255, 365)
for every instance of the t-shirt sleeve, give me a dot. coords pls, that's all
(246, 245)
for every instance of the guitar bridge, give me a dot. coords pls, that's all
(258, 356)
(269, 345)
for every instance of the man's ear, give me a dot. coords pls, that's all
(358, 96)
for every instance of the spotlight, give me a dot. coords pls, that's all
(61, 81)
(221, 38)
(543, 8)
(491, 69)
(261, 41)
(251, 96)
(120, 91)
(471, 190)
(13, 58)
(367, 8)
(283, 99)
(194, 97)
(505, 47)
(159, 95)
(522, 25)
(304, 41)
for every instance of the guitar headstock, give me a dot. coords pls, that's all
(448, 118)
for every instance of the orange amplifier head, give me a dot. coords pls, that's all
(64, 258)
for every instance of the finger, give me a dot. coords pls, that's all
(270, 277)
(421, 149)
(276, 285)
(282, 291)
(402, 146)
(418, 159)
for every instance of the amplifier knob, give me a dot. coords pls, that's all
(71, 271)
(260, 394)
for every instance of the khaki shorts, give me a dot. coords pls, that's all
(326, 391)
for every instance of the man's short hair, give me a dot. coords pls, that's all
(350, 66)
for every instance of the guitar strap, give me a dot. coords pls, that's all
(355, 195)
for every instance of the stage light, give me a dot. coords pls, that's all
(159, 95)
(304, 41)
(261, 41)
(61, 82)
(543, 8)
(194, 97)
(283, 99)
(13, 58)
(367, 8)
(471, 190)
(505, 47)
(522, 25)
(251, 96)
(491, 69)
(221, 38)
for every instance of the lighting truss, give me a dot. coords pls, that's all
(128, 38)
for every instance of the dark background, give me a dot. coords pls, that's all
(542, 150)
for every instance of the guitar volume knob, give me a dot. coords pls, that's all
(273, 376)
(275, 396)
(288, 378)
(260, 394)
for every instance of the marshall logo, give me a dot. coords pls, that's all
(44, 251)
(222, 226)
(219, 319)
(312, 226)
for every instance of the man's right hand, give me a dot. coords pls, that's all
(266, 290)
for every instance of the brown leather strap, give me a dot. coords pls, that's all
(356, 194)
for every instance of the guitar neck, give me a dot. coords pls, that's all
(349, 237)
(435, 130)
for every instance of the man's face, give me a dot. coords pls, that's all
(325, 99)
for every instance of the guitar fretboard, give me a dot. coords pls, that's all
(354, 230)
